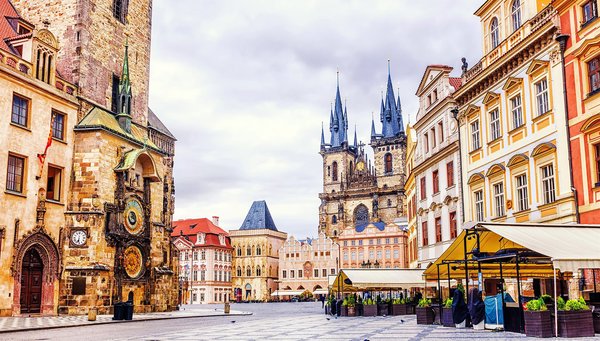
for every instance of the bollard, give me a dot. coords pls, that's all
(227, 308)
(92, 314)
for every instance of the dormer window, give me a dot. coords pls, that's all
(221, 239)
(200, 238)
(44, 64)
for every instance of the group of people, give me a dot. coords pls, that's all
(474, 311)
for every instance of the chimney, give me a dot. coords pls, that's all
(215, 220)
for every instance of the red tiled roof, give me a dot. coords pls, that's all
(191, 227)
(6, 30)
(456, 82)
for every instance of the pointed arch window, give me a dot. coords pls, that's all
(239, 271)
(515, 13)
(334, 171)
(248, 271)
(44, 64)
(388, 163)
(361, 215)
(258, 251)
(494, 33)
(248, 251)
(334, 219)
(258, 271)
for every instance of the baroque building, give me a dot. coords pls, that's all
(205, 256)
(306, 265)
(436, 164)
(114, 243)
(361, 200)
(39, 111)
(410, 190)
(256, 255)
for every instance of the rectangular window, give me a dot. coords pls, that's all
(499, 199)
(20, 110)
(475, 136)
(425, 234)
(332, 271)
(371, 254)
(195, 255)
(479, 205)
(517, 111)
(438, 229)
(316, 272)
(426, 140)
(441, 129)
(387, 240)
(54, 184)
(353, 242)
(361, 255)
(195, 275)
(548, 187)
(388, 254)
(495, 124)
(345, 255)
(58, 125)
(396, 253)
(203, 275)
(597, 161)
(292, 273)
(450, 173)
(589, 11)
(433, 139)
(324, 272)
(353, 255)
(360, 242)
(594, 75)
(379, 254)
(423, 188)
(15, 174)
(522, 193)
(115, 93)
(452, 225)
(541, 96)
(436, 182)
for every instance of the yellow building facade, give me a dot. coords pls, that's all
(255, 263)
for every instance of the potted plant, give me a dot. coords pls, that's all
(538, 319)
(447, 313)
(351, 306)
(344, 311)
(399, 306)
(369, 308)
(574, 318)
(425, 314)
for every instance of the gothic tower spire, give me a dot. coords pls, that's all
(124, 99)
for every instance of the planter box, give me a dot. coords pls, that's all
(382, 309)
(575, 323)
(539, 324)
(597, 323)
(399, 309)
(447, 317)
(370, 310)
(425, 315)
(351, 311)
(344, 311)
(359, 309)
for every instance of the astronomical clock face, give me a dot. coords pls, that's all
(133, 262)
(360, 166)
(133, 216)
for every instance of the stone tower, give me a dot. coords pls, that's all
(92, 34)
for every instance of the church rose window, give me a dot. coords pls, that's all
(361, 215)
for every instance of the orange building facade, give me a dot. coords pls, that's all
(579, 20)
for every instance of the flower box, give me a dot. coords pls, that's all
(425, 315)
(382, 309)
(575, 323)
(539, 324)
(447, 320)
(399, 309)
(370, 310)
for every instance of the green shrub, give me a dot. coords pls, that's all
(345, 302)
(576, 305)
(424, 302)
(547, 298)
(448, 303)
(537, 305)
(351, 301)
(369, 301)
(399, 301)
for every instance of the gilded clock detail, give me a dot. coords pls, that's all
(133, 262)
(133, 217)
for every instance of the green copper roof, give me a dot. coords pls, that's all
(99, 118)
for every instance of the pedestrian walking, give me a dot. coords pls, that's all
(322, 298)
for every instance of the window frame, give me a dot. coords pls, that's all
(388, 163)
(499, 199)
(594, 12)
(494, 33)
(55, 115)
(435, 177)
(425, 233)
(423, 187)
(495, 124)
(453, 224)
(516, 15)
(522, 192)
(27, 109)
(596, 148)
(479, 205)
(593, 74)
(548, 182)
(475, 135)
(516, 111)
(438, 229)
(450, 174)
(22, 176)
(542, 96)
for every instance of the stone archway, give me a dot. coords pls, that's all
(41, 245)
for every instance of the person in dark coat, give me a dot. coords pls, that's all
(459, 307)
(476, 306)
(322, 299)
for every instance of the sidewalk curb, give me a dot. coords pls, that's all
(120, 321)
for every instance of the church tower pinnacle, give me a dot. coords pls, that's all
(124, 99)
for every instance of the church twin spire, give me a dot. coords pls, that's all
(124, 99)
(338, 125)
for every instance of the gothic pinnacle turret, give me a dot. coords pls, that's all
(391, 112)
(124, 99)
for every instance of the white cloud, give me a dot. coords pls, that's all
(245, 85)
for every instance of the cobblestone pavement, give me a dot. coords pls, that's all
(12, 324)
(273, 321)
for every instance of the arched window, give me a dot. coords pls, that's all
(388, 163)
(361, 215)
(334, 171)
(248, 251)
(239, 251)
(334, 219)
(515, 12)
(239, 271)
(248, 271)
(335, 233)
(258, 251)
(258, 271)
(494, 33)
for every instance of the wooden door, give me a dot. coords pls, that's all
(31, 283)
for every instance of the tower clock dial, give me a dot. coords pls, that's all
(360, 166)
(133, 216)
(78, 237)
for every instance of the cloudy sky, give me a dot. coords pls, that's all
(245, 85)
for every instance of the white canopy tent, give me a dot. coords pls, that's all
(371, 279)
(287, 292)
